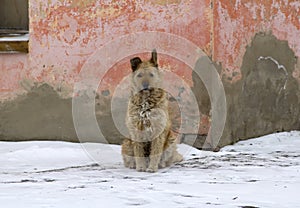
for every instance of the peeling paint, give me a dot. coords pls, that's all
(236, 25)
(65, 33)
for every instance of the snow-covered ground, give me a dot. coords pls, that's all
(262, 172)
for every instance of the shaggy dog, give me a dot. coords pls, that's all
(151, 144)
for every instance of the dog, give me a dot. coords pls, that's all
(151, 144)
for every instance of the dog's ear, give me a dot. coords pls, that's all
(135, 62)
(153, 59)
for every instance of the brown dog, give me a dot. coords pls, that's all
(152, 144)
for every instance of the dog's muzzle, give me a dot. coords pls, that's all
(145, 85)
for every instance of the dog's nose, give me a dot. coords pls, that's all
(145, 85)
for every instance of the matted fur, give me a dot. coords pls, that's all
(151, 144)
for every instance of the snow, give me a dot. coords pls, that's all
(262, 172)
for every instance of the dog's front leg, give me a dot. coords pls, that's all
(157, 146)
(139, 154)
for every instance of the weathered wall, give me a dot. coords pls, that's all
(267, 96)
(261, 62)
(36, 88)
(63, 35)
(256, 47)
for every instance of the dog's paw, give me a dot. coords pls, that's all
(131, 166)
(162, 165)
(177, 158)
(141, 169)
(152, 169)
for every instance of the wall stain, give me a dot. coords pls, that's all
(266, 99)
(235, 24)
(42, 114)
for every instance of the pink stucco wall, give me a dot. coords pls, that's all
(65, 34)
(236, 23)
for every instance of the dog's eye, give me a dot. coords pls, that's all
(139, 75)
(151, 75)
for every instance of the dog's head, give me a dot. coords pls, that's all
(145, 74)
